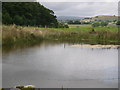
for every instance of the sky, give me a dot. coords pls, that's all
(78, 0)
(80, 9)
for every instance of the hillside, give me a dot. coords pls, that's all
(64, 18)
(101, 18)
(105, 17)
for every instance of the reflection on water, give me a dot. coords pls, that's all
(55, 64)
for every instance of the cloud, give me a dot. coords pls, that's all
(82, 8)
(78, 0)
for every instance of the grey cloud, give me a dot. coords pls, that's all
(58, 6)
(82, 8)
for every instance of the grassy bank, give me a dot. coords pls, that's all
(84, 33)
(76, 33)
(20, 35)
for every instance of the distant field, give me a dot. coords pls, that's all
(79, 26)
(89, 27)
(83, 28)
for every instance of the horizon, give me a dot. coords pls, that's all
(87, 16)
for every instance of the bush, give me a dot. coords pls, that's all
(103, 24)
(96, 24)
(118, 23)
(61, 25)
(66, 26)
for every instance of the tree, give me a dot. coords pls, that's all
(118, 23)
(66, 26)
(28, 13)
(96, 24)
(61, 25)
(70, 22)
(18, 20)
(6, 19)
(103, 24)
(77, 22)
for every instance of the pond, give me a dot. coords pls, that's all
(57, 65)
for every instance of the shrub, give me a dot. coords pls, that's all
(103, 24)
(118, 23)
(61, 25)
(96, 24)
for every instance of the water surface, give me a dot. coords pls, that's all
(56, 65)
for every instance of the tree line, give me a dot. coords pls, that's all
(28, 14)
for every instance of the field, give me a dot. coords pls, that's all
(75, 33)
(89, 27)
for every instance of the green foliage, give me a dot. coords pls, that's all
(118, 23)
(77, 22)
(70, 22)
(61, 25)
(97, 24)
(103, 24)
(74, 22)
(6, 18)
(28, 13)
(66, 26)
(18, 20)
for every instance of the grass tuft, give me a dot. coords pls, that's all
(82, 33)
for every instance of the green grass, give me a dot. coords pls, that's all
(79, 26)
(76, 33)
(89, 27)
(79, 33)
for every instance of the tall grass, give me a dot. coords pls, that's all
(0, 34)
(103, 35)
(17, 34)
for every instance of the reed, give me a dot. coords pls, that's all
(18, 35)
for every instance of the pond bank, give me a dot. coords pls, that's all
(20, 35)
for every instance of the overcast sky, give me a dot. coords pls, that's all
(83, 8)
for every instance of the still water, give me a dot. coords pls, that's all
(57, 65)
